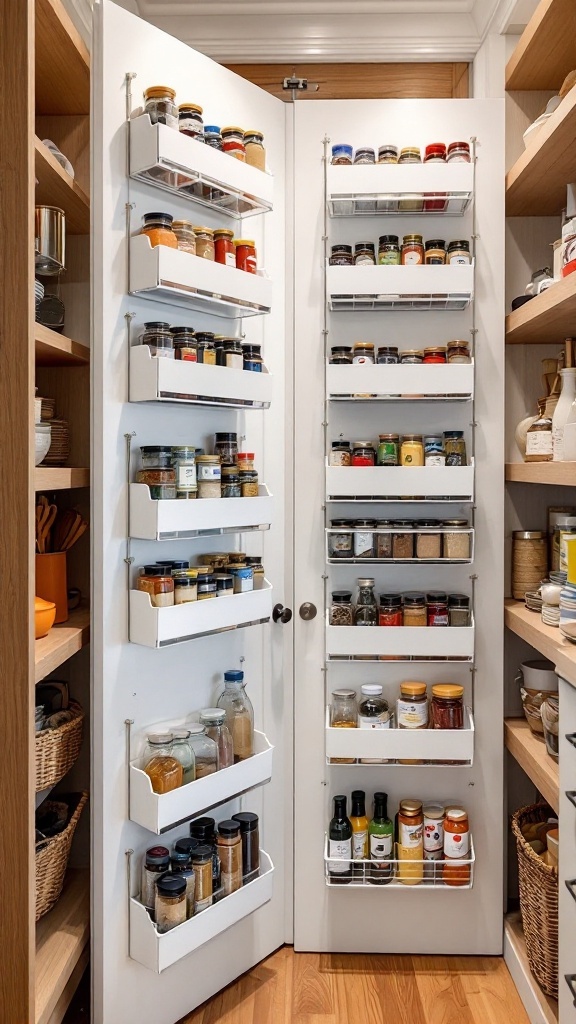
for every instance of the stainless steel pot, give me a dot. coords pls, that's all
(50, 240)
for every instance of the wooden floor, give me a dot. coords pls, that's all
(314, 988)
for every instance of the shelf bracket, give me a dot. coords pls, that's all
(129, 854)
(128, 723)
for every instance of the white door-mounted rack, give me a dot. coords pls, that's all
(207, 517)
(399, 641)
(158, 951)
(452, 382)
(180, 279)
(394, 483)
(405, 190)
(390, 532)
(408, 288)
(162, 627)
(155, 379)
(428, 745)
(161, 812)
(172, 161)
(431, 873)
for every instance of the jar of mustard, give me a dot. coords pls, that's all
(412, 450)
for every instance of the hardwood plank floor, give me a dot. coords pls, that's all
(325, 988)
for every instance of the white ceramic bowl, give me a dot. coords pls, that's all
(538, 675)
(43, 438)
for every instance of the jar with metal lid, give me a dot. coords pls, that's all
(340, 454)
(387, 355)
(341, 539)
(160, 107)
(185, 589)
(209, 473)
(410, 155)
(224, 584)
(245, 255)
(373, 713)
(364, 254)
(254, 146)
(389, 251)
(458, 352)
(158, 337)
(456, 847)
(156, 456)
(341, 611)
(447, 706)
(434, 454)
(214, 721)
(366, 608)
(364, 538)
(237, 558)
(248, 483)
(155, 863)
(343, 715)
(184, 465)
(342, 154)
(435, 354)
(429, 540)
(456, 542)
(363, 454)
(412, 249)
(255, 561)
(458, 253)
(458, 152)
(383, 539)
(233, 142)
(190, 120)
(365, 155)
(412, 706)
(363, 352)
(437, 608)
(459, 609)
(185, 345)
(411, 356)
(529, 561)
(158, 228)
(388, 154)
(455, 448)
(204, 242)
(229, 353)
(224, 251)
(390, 610)
(435, 202)
(252, 358)
(435, 252)
(410, 203)
(415, 609)
(205, 348)
(226, 447)
(159, 587)
(201, 860)
(231, 482)
(341, 256)
(412, 450)
(341, 354)
(212, 136)
(388, 450)
(403, 539)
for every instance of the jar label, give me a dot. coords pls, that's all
(438, 620)
(380, 847)
(411, 258)
(234, 361)
(459, 259)
(410, 715)
(363, 543)
(249, 364)
(410, 836)
(359, 842)
(455, 459)
(339, 458)
(209, 472)
(387, 453)
(341, 850)
(341, 542)
(539, 442)
(435, 460)
(364, 260)
(374, 723)
(186, 478)
(363, 359)
(230, 260)
(456, 844)
(437, 261)
(389, 259)
(433, 834)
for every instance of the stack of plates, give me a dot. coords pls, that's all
(48, 409)
(550, 614)
(568, 612)
(558, 576)
(59, 451)
(533, 600)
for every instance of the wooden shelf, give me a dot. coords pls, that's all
(548, 318)
(561, 474)
(55, 187)
(545, 51)
(60, 478)
(62, 62)
(530, 752)
(61, 643)
(53, 349)
(548, 640)
(62, 938)
(536, 184)
(540, 1008)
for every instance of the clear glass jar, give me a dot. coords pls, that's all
(455, 448)
(429, 541)
(437, 608)
(388, 250)
(411, 356)
(160, 107)
(212, 136)
(387, 154)
(366, 609)
(344, 709)
(341, 355)
(245, 460)
(384, 540)
(156, 456)
(202, 861)
(226, 447)
(410, 203)
(434, 454)
(458, 352)
(205, 347)
(243, 578)
(341, 610)
(160, 483)
(207, 588)
(364, 254)
(190, 121)
(248, 483)
(342, 154)
(158, 227)
(341, 256)
(209, 472)
(185, 234)
(158, 337)
(363, 352)
(170, 902)
(184, 344)
(231, 482)
(390, 610)
(155, 862)
(403, 539)
(183, 752)
(387, 452)
(364, 538)
(412, 706)
(363, 454)
(435, 354)
(204, 243)
(233, 142)
(246, 255)
(365, 155)
(456, 542)
(414, 609)
(229, 850)
(412, 247)
(224, 584)
(458, 152)
(459, 252)
(340, 454)
(205, 751)
(214, 721)
(254, 146)
(447, 706)
(459, 609)
(341, 540)
(185, 588)
(184, 466)
(239, 714)
(158, 586)
(435, 250)
(229, 353)
(162, 768)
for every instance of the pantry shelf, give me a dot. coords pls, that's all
(408, 288)
(529, 750)
(61, 643)
(542, 1008)
(561, 474)
(389, 483)
(55, 187)
(431, 872)
(53, 349)
(399, 382)
(60, 478)
(154, 379)
(545, 52)
(436, 745)
(546, 639)
(536, 184)
(398, 190)
(548, 319)
(62, 62)
(62, 938)
(399, 641)
(208, 517)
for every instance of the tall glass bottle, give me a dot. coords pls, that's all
(562, 411)
(359, 823)
(366, 610)
(239, 714)
(340, 844)
(381, 842)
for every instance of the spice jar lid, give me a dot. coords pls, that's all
(158, 855)
(458, 243)
(214, 716)
(205, 336)
(359, 246)
(363, 444)
(454, 435)
(201, 854)
(437, 149)
(185, 581)
(387, 148)
(403, 524)
(364, 151)
(229, 828)
(412, 689)
(247, 820)
(234, 675)
(414, 597)
(245, 241)
(200, 230)
(528, 534)
(157, 216)
(361, 524)
(391, 349)
(159, 90)
(232, 128)
(171, 885)
(388, 437)
(409, 239)
(371, 689)
(341, 596)
(223, 233)
(427, 524)
(435, 348)
(195, 728)
(456, 813)
(159, 737)
(458, 343)
(341, 522)
(412, 437)
(435, 243)
(388, 240)
(394, 600)
(458, 600)
(157, 325)
(186, 844)
(411, 807)
(365, 581)
(156, 449)
(364, 344)
(434, 810)
(448, 691)
(436, 597)
(456, 524)
(254, 132)
(344, 693)
(182, 224)
(410, 151)
(211, 129)
(245, 455)
(341, 444)
(180, 857)
(190, 106)
(342, 248)
(225, 436)
(412, 352)
(459, 145)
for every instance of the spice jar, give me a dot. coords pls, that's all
(184, 466)
(185, 589)
(201, 861)
(364, 253)
(458, 352)
(458, 253)
(224, 584)
(365, 155)
(239, 714)
(248, 483)
(434, 454)
(204, 242)
(229, 850)
(224, 251)
(412, 706)
(155, 863)
(212, 136)
(341, 355)
(233, 142)
(410, 203)
(389, 250)
(429, 541)
(435, 253)
(414, 609)
(170, 903)
(387, 355)
(435, 202)
(410, 849)
(387, 154)
(252, 358)
(184, 344)
(529, 561)
(373, 713)
(158, 227)
(459, 609)
(456, 543)
(384, 539)
(249, 834)
(229, 353)
(363, 454)
(363, 352)
(164, 771)
(190, 121)
(343, 715)
(364, 538)
(226, 447)
(205, 751)
(243, 578)
(209, 473)
(390, 610)
(403, 542)
(156, 456)
(160, 588)
(412, 249)
(388, 450)
(206, 588)
(458, 152)
(411, 356)
(341, 612)
(158, 337)
(245, 255)
(180, 864)
(342, 154)
(185, 234)
(340, 454)
(340, 539)
(160, 107)
(366, 609)
(434, 815)
(447, 706)
(456, 847)
(214, 721)
(412, 450)
(455, 448)
(160, 482)
(436, 608)
(341, 256)
(254, 147)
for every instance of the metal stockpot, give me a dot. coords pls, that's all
(50, 240)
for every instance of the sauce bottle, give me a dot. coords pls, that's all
(359, 823)
(381, 842)
(340, 845)
(410, 842)
(456, 847)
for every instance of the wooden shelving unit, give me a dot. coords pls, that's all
(62, 938)
(545, 52)
(530, 752)
(540, 1007)
(62, 62)
(55, 187)
(536, 184)
(547, 319)
(53, 349)
(59, 478)
(562, 474)
(548, 640)
(61, 643)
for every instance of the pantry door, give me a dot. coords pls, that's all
(137, 977)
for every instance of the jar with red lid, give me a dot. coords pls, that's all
(224, 251)
(245, 255)
(437, 608)
(435, 202)
(363, 454)
(435, 354)
(233, 142)
(458, 152)
(390, 610)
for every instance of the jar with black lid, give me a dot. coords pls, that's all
(437, 608)
(365, 155)
(411, 355)
(364, 538)
(389, 251)
(156, 456)
(206, 588)
(226, 446)
(231, 482)
(341, 354)
(252, 358)
(363, 453)
(383, 540)
(205, 347)
(340, 454)
(229, 353)
(341, 256)
(249, 834)
(387, 354)
(341, 611)
(364, 254)
(435, 252)
(388, 154)
(458, 252)
(184, 344)
(341, 538)
(158, 336)
(459, 609)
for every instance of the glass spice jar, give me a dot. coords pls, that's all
(415, 609)
(212, 136)
(160, 588)
(458, 152)
(184, 466)
(390, 610)
(245, 255)
(185, 589)
(204, 242)
(162, 768)
(160, 107)
(435, 251)
(231, 482)
(366, 608)
(158, 337)
(384, 539)
(364, 538)
(186, 237)
(458, 352)
(411, 356)
(340, 454)
(243, 578)
(229, 850)
(365, 155)
(341, 611)
(458, 253)
(207, 588)
(224, 251)
(226, 447)
(185, 347)
(156, 456)
(363, 352)
(373, 713)
(248, 483)
(155, 862)
(429, 542)
(341, 355)
(387, 154)
(224, 584)
(201, 860)
(435, 354)
(214, 721)
(437, 608)
(387, 355)
(233, 142)
(170, 902)
(254, 146)
(412, 450)
(455, 448)
(160, 482)
(363, 454)
(252, 358)
(230, 354)
(389, 251)
(387, 453)
(343, 715)
(447, 706)
(158, 227)
(209, 472)
(205, 347)
(403, 541)
(434, 454)
(342, 155)
(459, 609)
(190, 121)
(341, 256)
(456, 540)
(364, 254)
(412, 249)
(412, 706)
(341, 540)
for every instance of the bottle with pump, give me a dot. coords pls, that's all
(340, 844)
(359, 823)
(381, 842)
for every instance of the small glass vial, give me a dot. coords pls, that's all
(229, 850)
(366, 609)
(155, 863)
(214, 721)
(162, 768)
(341, 611)
(239, 714)
(183, 752)
(459, 609)
(160, 107)
(204, 749)
(190, 121)
(186, 237)
(254, 146)
(170, 903)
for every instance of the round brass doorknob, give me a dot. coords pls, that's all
(308, 611)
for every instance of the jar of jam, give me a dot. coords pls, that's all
(447, 706)
(384, 539)
(204, 242)
(458, 352)
(364, 538)
(341, 355)
(458, 152)
(412, 450)
(411, 356)
(363, 352)
(224, 251)
(363, 454)
(205, 348)
(435, 253)
(157, 585)
(233, 142)
(364, 254)
(341, 539)
(437, 608)
(389, 251)
(414, 609)
(387, 354)
(252, 358)
(254, 146)
(190, 121)
(245, 255)
(455, 448)
(456, 847)
(158, 227)
(160, 107)
(388, 449)
(184, 344)
(341, 256)
(390, 610)
(435, 354)
(412, 250)
(342, 154)
(226, 447)
(212, 136)
(185, 234)
(158, 336)
(365, 155)
(340, 454)
(458, 253)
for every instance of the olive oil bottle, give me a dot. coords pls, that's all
(340, 844)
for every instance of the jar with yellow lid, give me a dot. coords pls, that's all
(190, 120)
(412, 709)
(447, 706)
(160, 107)
(254, 146)
(205, 242)
(233, 142)
(185, 234)
(412, 450)
(245, 254)
(224, 247)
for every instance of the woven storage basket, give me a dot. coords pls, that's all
(538, 901)
(57, 749)
(52, 858)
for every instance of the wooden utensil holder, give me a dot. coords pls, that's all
(51, 582)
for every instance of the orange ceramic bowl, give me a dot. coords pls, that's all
(44, 615)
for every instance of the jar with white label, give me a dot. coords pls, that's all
(209, 475)
(459, 252)
(363, 352)
(341, 539)
(364, 538)
(365, 253)
(434, 815)
(456, 847)
(412, 706)
(184, 465)
(539, 437)
(434, 454)
(373, 713)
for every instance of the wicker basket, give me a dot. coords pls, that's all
(52, 858)
(538, 901)
(57, 749)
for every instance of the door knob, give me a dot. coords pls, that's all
(281, 614)
(308, 611)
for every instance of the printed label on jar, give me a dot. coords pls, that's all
(410, 836)
(341, 849)
(341, 542)
(411, 258)
(380, 847)
(339, 458)
(387, 453)
(435, 460)
(412, 716)
(230, 260)
(459, 260)
(438, 620)
(433, 834)
(539, 443)
(234, 361)
(454, 459)
(186, 478)
(363, 359)
(190, 125)
(363, 261)
(359, 844)
(389, 259)
(456, 844)
(363, 543)
(373, 723)
(435, 261)
(209, 472)
(250, 365)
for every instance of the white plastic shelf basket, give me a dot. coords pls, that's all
(437, 642)
(400, 382)
(418, 875)
(394, 483)
(432, 189)
(175, 162)
(428, 745)
(174, 519)
(409, 288)
(155, 379)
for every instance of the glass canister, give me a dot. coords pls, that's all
(229, 850)
(224, 247)
(183, 752)
(390, 610)
(429, 541)
(246, 255)
(456, 540)
(343, 715)
(389, 251)
(170, 902)
(412, 450)
(158, 227)
(158, 336)
(364, 254)
(160, 107)
(190, 121)
(383, 538)
(412, 247)
(214, 721)
(366, 608)
(341, 610)
(455, 448)
(159, 586)
(364, 538)
(209, 472)
(341, 539)
(529, 561)
(204, 242)
(403, 539)
(254, 146)
(447, 706)
(239, 714)
(459, 609)
(184, 344)
(205, 751)
(341, 256)
(415, 609)
(155, 862)
(185, 234)
(342, 154)
(162, 768)
(233, 142)
(184, 466)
